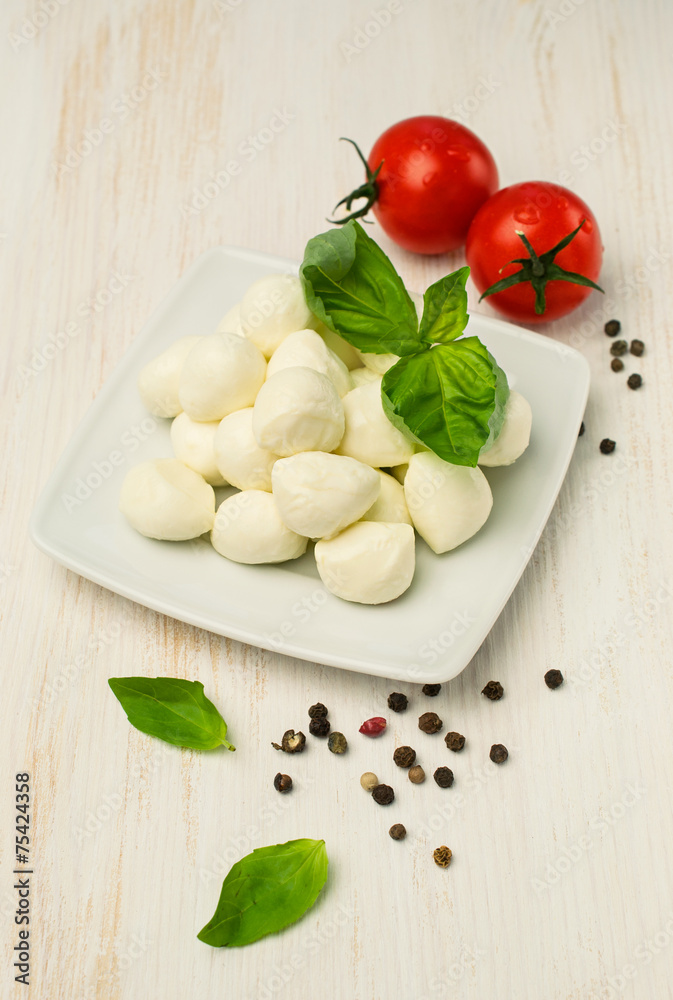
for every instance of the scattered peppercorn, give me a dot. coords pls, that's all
(398, 702)
(581, 432)
(493, 691)
(442, 856)
(432, 690)
(454, 741)
(617, 364)
(373, 727)
(430, 722)
(553, 679)
(637, 348)
(607, 446)
(634, 381)
(612, 327)
(317, 711)
(416, 774)
(369, 781)
(444, 777)
(619, 347)
(291, 743)
(404, 756)
(383, 794)
(337, 743)
(498, 753)
(282, 782)
(398, 831)
(319, 726)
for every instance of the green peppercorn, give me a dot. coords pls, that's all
(337, 743)
(619, 347)
(612, 327)
(634, 381)
(442, 856)
(291, 743)
(637, 348)
(617, 364)
(282, 782)
(398, 831)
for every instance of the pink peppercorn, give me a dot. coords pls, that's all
(373, 727)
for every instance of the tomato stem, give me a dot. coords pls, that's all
(369, 190)
(539, 269)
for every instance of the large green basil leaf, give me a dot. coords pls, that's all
(451, 398)
(173, 710)
(266, 891)
(445, 309)
(351, 285)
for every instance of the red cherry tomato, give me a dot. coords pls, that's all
(434, 175)
(545, 213)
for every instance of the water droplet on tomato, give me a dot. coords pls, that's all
(588, 227)
(527, 216)
(429, 178)
(426, 146)
(458, 153)
(562, 204)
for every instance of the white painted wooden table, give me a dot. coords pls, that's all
(115, 119)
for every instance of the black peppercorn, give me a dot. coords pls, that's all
(282, 782)
(553, 679)
(383, 794)
(291, 743)
(317, 711)
(442, 856)
(444, 777)
(493, 691)
(397, 702)
(319, 726)
(607, 446)
(430, 722)
(612, 327)
(637, 348)
(398, 831)
(634, 381)
(619, 347)
(617, 364)
(581, 431)
(432, 690)
(404, 756)
(454, 741)
(337, 743)
(498, 753)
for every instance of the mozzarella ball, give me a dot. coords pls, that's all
(370, 562)
(361, 376)
(222, 373)
(319, 494)
(390, 505)
(194, 444)
(369, 435)
(448, 503)
(239, 458)
(400, 472)
(336, 343)
(231, 321)
(166, 499)
(378, 363)
(248, 529)
(298, 409)
(306, 349)
(273, 307)
(159, 380)
(514, 436)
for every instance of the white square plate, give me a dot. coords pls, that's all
(454, 599)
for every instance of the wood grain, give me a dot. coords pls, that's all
(561, 885)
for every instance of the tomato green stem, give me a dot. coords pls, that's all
(539, 269)
(369, 190)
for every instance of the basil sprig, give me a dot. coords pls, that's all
(447, 393)
(173, 710)
(266, 891)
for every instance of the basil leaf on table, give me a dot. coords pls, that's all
(351, 285)
(445, 308)
(266, 891)
(173, 710)
(451, 397)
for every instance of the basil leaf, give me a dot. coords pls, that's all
(445, 308)
(351, 285)
(450, 397)
(267, 891)
(173, 710)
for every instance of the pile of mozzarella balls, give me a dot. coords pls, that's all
(283, 409)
